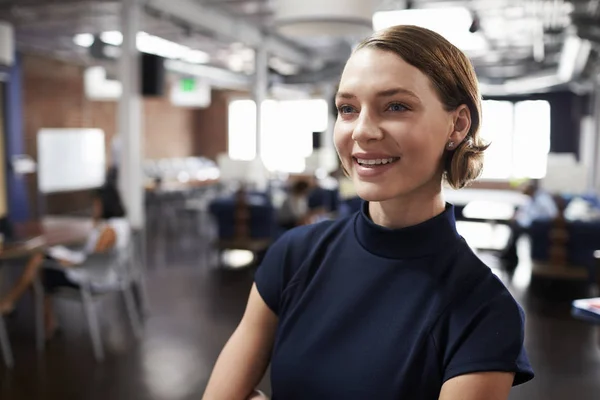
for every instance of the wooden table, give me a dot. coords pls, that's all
(33, 236)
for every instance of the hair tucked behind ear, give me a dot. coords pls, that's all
(465, 163)
(455, 82)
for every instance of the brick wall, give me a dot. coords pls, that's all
(53, 97)
(211, 124)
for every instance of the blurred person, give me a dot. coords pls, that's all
(111, 230)
(390, 303)
(294, 210)
(540, 205)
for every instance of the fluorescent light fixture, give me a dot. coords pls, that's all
(452, 23)
(114, 38)
(196, 57)
(159, 46)
(83, 39)
(148, 44)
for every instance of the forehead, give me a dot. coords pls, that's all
(372, 70)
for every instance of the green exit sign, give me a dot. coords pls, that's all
(188, 84)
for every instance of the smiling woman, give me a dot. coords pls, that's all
(389, 303)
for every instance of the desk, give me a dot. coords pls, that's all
(51, 231)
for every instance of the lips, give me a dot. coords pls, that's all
(370, 167)
(375, 162)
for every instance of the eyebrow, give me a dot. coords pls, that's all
(383, 93)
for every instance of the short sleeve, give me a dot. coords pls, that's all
(270, 278)
(484, 336)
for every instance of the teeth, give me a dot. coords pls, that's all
(380, 161)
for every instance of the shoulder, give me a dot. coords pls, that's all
(286, 256)
(472, 290)
(481, 285)
(483, 327)
(479, 302)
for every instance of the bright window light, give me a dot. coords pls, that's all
(242, 130)
(496, 128)
(520, 139)
(83, 39)
(531, 139)
(452, 23)
(284, 145)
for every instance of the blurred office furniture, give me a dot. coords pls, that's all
(174, 173)
(245, 216)
(102, 274)
(245, 221)
(564, 250)
(325, 199)
(34, 236)
(178, 187)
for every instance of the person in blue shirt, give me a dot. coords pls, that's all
(540, 205)
(389, 303)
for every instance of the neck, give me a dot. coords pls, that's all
(410, 209)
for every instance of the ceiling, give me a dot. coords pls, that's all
(523, 38)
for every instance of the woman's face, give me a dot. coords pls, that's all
(392, 129)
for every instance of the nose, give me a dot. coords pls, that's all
(366, 129)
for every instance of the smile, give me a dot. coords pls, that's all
(371, 163)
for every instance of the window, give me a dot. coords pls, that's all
(287, 127)
(242, 130)
(520, 139)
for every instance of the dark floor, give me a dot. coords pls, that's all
(195, 308)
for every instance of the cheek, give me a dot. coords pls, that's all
(342, 138)
(422, 147)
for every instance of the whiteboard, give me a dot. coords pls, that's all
(70, 159)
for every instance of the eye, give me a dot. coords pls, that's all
(397, 107)
(345, 109)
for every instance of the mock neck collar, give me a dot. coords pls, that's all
(419, 240)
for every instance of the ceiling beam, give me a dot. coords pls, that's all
(234, 29)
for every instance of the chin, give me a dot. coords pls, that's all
(376, 192)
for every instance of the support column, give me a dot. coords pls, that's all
(596, 124)
(261, 83)
(130, 117)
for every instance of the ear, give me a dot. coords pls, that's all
(461, 119)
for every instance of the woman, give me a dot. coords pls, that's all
(111, 230)
(390, 303)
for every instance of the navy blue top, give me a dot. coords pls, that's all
(367, 312)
